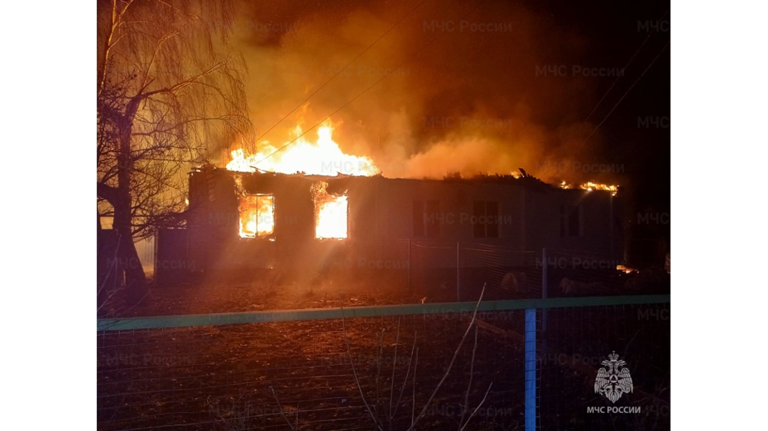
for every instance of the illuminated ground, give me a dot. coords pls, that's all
(262, 292)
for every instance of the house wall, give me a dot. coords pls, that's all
(382, 217)
(381, 221)
(600, 232)
(211, 216)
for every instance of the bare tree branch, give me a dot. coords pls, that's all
(357, 379)
(280, 405)
(477, 408)
(167, 84)
(450, 365)
(465, 407)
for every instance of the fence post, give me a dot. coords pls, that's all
(530, 369)
(458, 273)
(610, 222)
(544, 284)
(544, 295)
(410, 264)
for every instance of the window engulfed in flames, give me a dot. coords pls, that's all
(257, 215)
(330, 213)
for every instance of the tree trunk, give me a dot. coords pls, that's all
(135, 280)
(98, 222)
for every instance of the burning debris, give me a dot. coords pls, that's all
(625, 269)
(592, 186)
(330, 213)
(589, 186)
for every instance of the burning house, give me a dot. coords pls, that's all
(259, 220)
(250, 217)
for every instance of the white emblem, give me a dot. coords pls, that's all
(615, 381)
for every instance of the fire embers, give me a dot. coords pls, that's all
(330, 213)
(589, 186)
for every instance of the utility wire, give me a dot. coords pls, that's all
(618, 77)
(627, 92)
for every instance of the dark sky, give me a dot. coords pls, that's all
(471, 100)
(637, 132)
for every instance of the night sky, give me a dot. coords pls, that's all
(615, 32)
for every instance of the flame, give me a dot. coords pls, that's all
(330, 213)
(593, 186)
(323, 157)
(256, 212)
(625, 269)
(257, 215)
(589, 186)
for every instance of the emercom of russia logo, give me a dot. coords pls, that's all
(613, 380)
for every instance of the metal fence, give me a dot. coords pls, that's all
(457, 271)
(523, 364)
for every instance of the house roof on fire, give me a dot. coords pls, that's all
(525, 180)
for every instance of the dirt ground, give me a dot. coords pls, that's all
(223, 377)
(221, 294)
(304, 375)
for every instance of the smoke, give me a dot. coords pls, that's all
(475, 92)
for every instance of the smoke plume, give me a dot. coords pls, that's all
(474, 95)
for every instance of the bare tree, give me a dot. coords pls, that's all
(167, 85)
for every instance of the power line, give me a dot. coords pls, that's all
(627, 92)
(618, 77)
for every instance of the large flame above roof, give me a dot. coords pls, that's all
(322, 157)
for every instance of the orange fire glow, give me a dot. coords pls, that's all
(589, 186)
(257, 215)
(593, 186)
(323, 157)
(330, 213)
(625, 269)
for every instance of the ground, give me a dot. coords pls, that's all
(223, 377)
